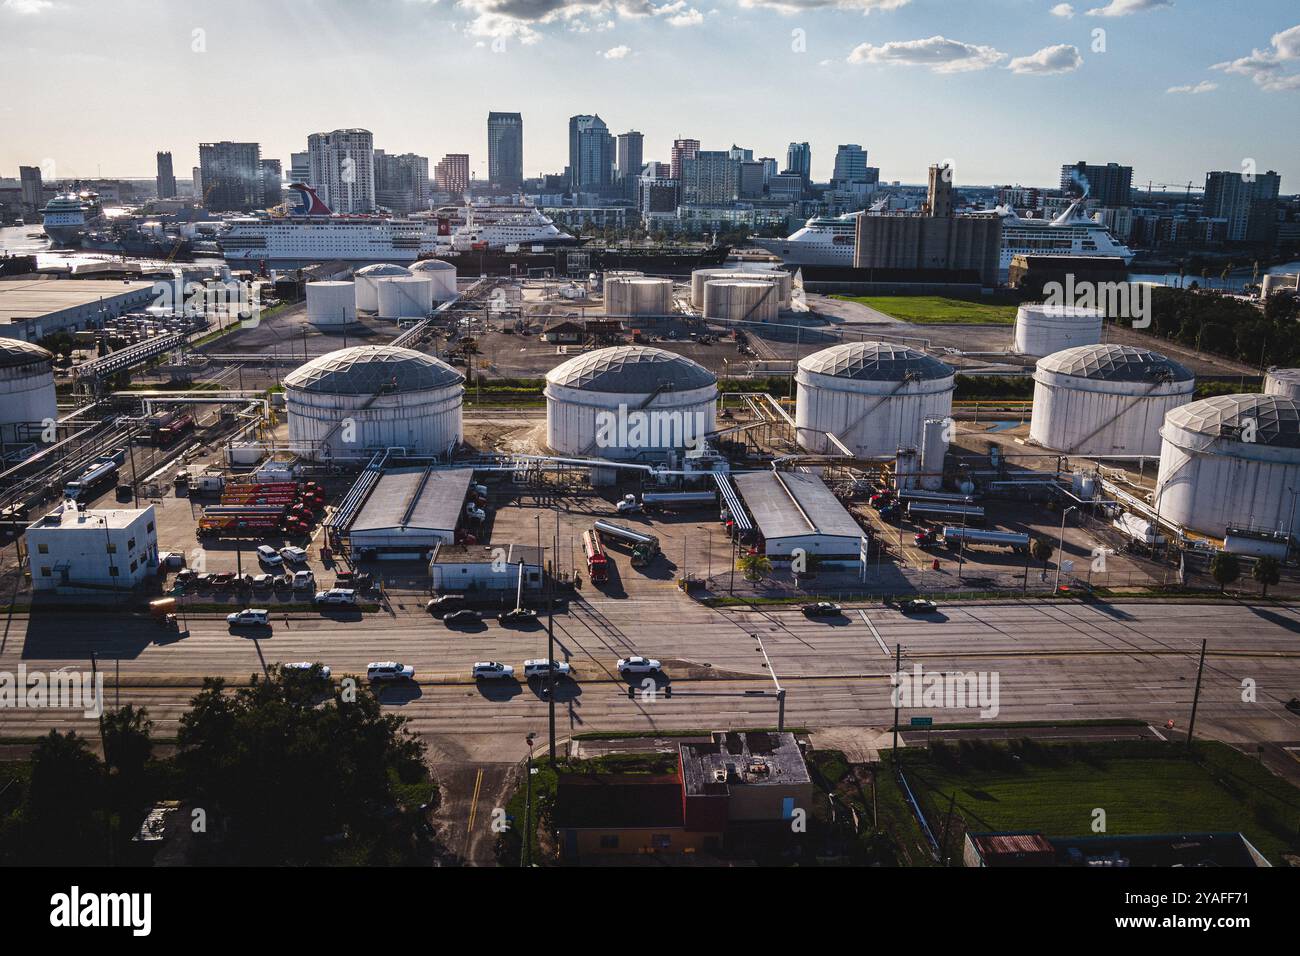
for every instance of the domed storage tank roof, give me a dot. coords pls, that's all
(876, 362)
(368, 369)
(431, 265)
(383, 269)
(15, 353)
(1276, 420)
(635, 369)
(1114, 363)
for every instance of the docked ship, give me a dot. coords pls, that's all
(68, 217)
(822, 241)
(579, 261)
(130, 239)
(1073, 233)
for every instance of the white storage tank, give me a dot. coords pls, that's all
(784, 282)
(442, 274)
(26, 389)
(352, 402)
(1102, 400)
(331, 303)
(1284, 382)
(874, 396)
(367, 279)
(1045, 329)
(629, 402)
(1231, 461)
(738, 300)
(404, 297)
(637, 296)
(934, 449)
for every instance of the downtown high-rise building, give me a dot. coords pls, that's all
(591, 155)
(166, 176)
(300, 167)
(1107, 186)
(31, 190)
(683, 149)
(850, 165)
(342, 169)
(451, 175)
(272, 182)
(798, 160)
(628, 160)
(401, 182)
(231, 176)
(505, 150)
(711, 177)
(1248, 202)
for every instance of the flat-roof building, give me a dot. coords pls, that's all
(411, 510)
(793, 510)
(96, 549)
(31, 309)
(484, 567)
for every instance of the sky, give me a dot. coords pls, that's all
(1005, 90)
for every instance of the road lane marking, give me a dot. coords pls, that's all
(473, 808)
(874, 633)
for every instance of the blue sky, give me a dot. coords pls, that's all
(1008, 90)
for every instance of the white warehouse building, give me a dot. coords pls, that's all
(874, 397)
(1102, 400)
(1232, 461)
(355, 401)
(95, 548)
(27, 396)
(629, 402)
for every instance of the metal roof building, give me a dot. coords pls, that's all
(31, 309)
(411, 510)
(794, 510)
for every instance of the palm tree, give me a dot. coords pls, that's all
(1042, 550)
(1266, 571)
(755, 566)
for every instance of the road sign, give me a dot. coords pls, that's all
(922, 721)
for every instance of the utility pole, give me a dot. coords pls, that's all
(1196, 697)
(898, 670)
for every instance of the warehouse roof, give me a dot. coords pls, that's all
(371, 369)
(780, 501)
(1115, 363)
(417, 499)
(22, 299)
(876, 362)
(637, 369)
(1274, 420)
(511, 554)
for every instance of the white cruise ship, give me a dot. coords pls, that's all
(823, 241)
(501, 227)
(1070, 234)
(66, 218)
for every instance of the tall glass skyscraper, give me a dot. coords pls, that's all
(506, 150)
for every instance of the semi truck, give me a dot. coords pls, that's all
(597, 560)
(950, 511)
(98, 475)
(1015, 540)
(645, 547)
(653, 500)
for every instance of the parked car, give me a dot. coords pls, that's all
(379, 671)
(269, 556)
(444, 603)
(249, 617)
(293, 555)
(263, 580)
(337, 596)
(517, 615)
(638, 665)
(203, 579)
(360, 580)
(918, 606)
(185, 577)
(822, 609)
(303, 580)
(491, 670)
(543, 668)
(282, 581)
(1293, 705)
(463, 616)
(301, 666)
(223, 580)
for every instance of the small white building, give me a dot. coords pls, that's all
(457, 568)
(95, 548)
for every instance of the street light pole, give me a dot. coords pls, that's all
(1060, 548)
(1196, 697)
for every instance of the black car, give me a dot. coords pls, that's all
(463, 616)
(822, 609)
(518, 615)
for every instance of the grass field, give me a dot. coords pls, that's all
(937, 309)
(1143, 787)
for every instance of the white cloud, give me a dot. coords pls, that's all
(1063, 10)
(1124, 8)
(616, 52)
(28, 7)
(938, 53)
(1205, 86)
(1062, 58)
(799, 6)
(1270, 69)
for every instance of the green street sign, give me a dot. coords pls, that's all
(922, 721)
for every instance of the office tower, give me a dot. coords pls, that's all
(166, 178)
(939, 195)
(1248, 205)
(505, 151)
(711, 177)
(741, 155)
(770, 167)
(231, 176)
(300, 168)
(683, 149)
(401, 182)
(272, 182)
(591, 155)
(1109, 185)
(342, 169)
(451, 175)
(29, 178)
(850, 165)
(629, 161)
(196, 180)
(751, 180)
(798, 160)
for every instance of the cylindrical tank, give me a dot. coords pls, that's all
(367, 279)
(331, 303)
(1277, 283)
(638, 295)
(1231, 461)
(629, 402)
(442, 274)
(352, 402)
(737, 300)
(873, 396)
(1284, 382)
(934, 449)
(784, 282)
(1102, 400)
(26, 388)
(405, 297)
(1045, 329)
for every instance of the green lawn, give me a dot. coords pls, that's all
(936, 309)
(1143, 788)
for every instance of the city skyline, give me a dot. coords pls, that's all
(913, 82)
